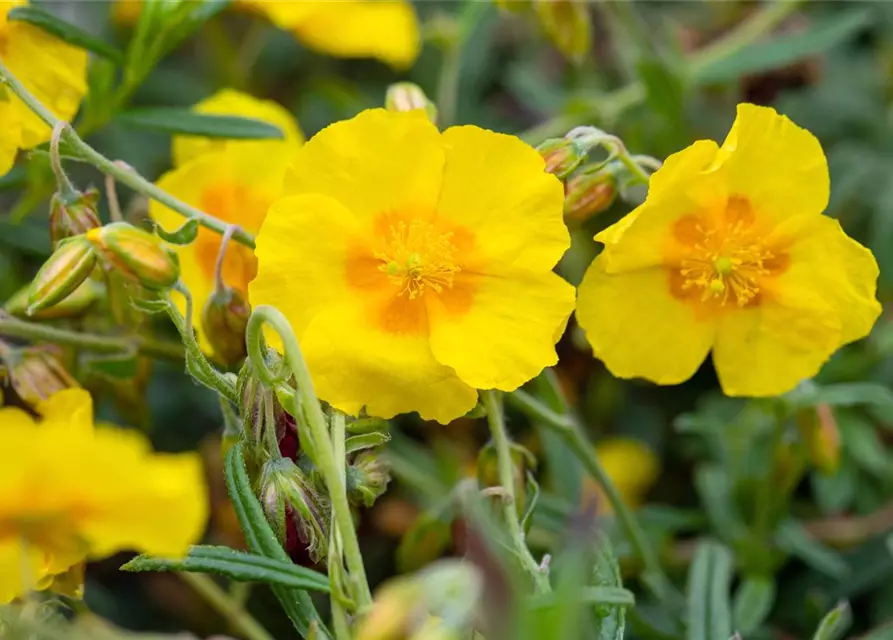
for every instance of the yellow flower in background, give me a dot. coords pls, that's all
(731, 253)
(632, 467)
(54, 71)
(234, 181)
(416, 266)
(69, 492)
(383, 29)
(229, 102)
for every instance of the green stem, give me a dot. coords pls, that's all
(15, 328)
(238, 618)
(451, 68)
(322, 444)
(570, 431)
(609, 107)
(496, 419)
(122, 175)
(336, 548)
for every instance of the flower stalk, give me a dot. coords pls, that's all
(496, 419)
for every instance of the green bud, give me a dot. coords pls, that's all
(36, 374)
(408, 96)
(368, 478)
(80, 300)
(62, 274)
(562, 156)
(139, 255)
(224, 320)
(588, 192)
(286, 489)
(567, 24)
(74, 218)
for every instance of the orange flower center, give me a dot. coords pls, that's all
(417, 257)
(724, 260)
(234, 204)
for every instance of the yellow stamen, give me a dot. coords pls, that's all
(417, 257)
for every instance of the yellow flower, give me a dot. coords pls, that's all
(383, 29)
(632, 467)
(730, 253)
(229, 102)
(69, 492)
(233, 180)
(54, 71)
(415, 266)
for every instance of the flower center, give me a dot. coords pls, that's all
(417, 257)
(724, 259)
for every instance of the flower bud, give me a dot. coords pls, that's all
(68, 219)
(285, 489)
(264, 421)
(62, 274)
(73, 306)
(367, 478)
(407, 96)
(37, 373)
(819, 430)
(566, 23)
(588, 192)
(562, 156)
(138, 255)
(224, 320)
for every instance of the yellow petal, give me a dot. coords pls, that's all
(383, 29)
(303, 249)
(684, 185)
(229, 102)
(54, 71)
(638, 329)
(495, 185)
(507, 336)
(777, 165)
(374, 163)
(354, 364)
(10, 141)
(13, 418)
(20, 569)
(71, 406)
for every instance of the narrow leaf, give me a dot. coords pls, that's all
(365, 441)
(709, 578)
(237, 565)
(793, 538)
(185, 122)
(65, 31)
(835, 624)
(784, 49)
(261, 540)
(752, 604)
(184, 234)
(610, 619)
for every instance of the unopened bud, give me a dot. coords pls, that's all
(368, 477)
(264, 421)
(562, 156)
(566, 23)
(36, 374)
(73, 306)
(407, 96)
(136, 254)
(588, 192)
(224, 320)
(286, 489)
(62, 274)
(68, 219)
(819, 430)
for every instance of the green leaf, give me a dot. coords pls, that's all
(65, 31)
(664, 90)
(797, 541)
(752, 603)
(237, 565)
(365, 441)
(261, 540)
(847, 394)
(117, 366)
(610, 618)
(862, 442)
(186, 122)
(835, 624)
(784, 49)
(709, 579)
(712, 485)
(184, 234)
